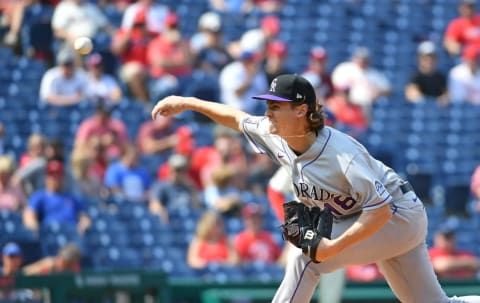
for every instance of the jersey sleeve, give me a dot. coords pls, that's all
(255, 129)
(365, 180)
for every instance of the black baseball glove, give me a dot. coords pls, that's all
(304, 227)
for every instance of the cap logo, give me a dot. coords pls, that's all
(273, 86)
(299, 96)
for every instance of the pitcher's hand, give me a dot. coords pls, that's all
(169, 106)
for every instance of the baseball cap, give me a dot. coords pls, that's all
(290, 88)
(361, 52)
(140, 17)
(277, 47)
(171, 19)
(447, 230)
(271, 24)
(210, 21)
(65, 56)
(177, 161)
(318, 53)
(94, 60)
(55, 168)
(251, 210)
(12, 249)
(426, 48)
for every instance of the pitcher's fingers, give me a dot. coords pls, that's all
(155, 111)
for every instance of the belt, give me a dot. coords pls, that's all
(406, 187)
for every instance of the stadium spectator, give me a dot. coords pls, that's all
(36, 149)
(275, 60)
(87, 185)
(241, 79)
(464, 78)
(210, 57)
(130, 44)
(364, 273)
(475, 186)
(364, 83)
(222, 195)
(12, 197)
(67, 260)
(254, 243)
(78, 18)
(317, 73)
(155, 15)
(256, 40)
(448, 261)
(427, 81)
(175, 193)
(31, 173)
(12, 260)
(95, 148)
(101, 86)
(112, 132)
(126, 179)
(169, 59)
(349, 116)
(209, 28)
(63, 84)
(226, 150)
(463, 30)
(54, 204)
(211, 243)
(157, 137)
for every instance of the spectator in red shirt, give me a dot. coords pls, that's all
(112, 132)
(157, 137)
(254, 243)
(462, 30)
(211, 243)
(170, 59)
(348, 115)
(450, 262)
(130, 44)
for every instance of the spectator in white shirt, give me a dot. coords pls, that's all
(63, 84)
(241, 79)
(156, 15)
(101, 86)
(464, 78)
(76, 18)
(365, 84)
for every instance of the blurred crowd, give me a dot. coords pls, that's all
(162, 166)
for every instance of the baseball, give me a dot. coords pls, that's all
(83, 45)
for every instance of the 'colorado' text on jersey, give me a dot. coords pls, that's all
(336, 171)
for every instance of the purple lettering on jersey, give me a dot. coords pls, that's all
(332, 209)
(345, 203)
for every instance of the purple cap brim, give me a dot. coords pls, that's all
(271, 98)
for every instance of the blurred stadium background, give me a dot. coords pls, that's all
(436, 147)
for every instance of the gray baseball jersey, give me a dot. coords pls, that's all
(336, 171)
(339, 173)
